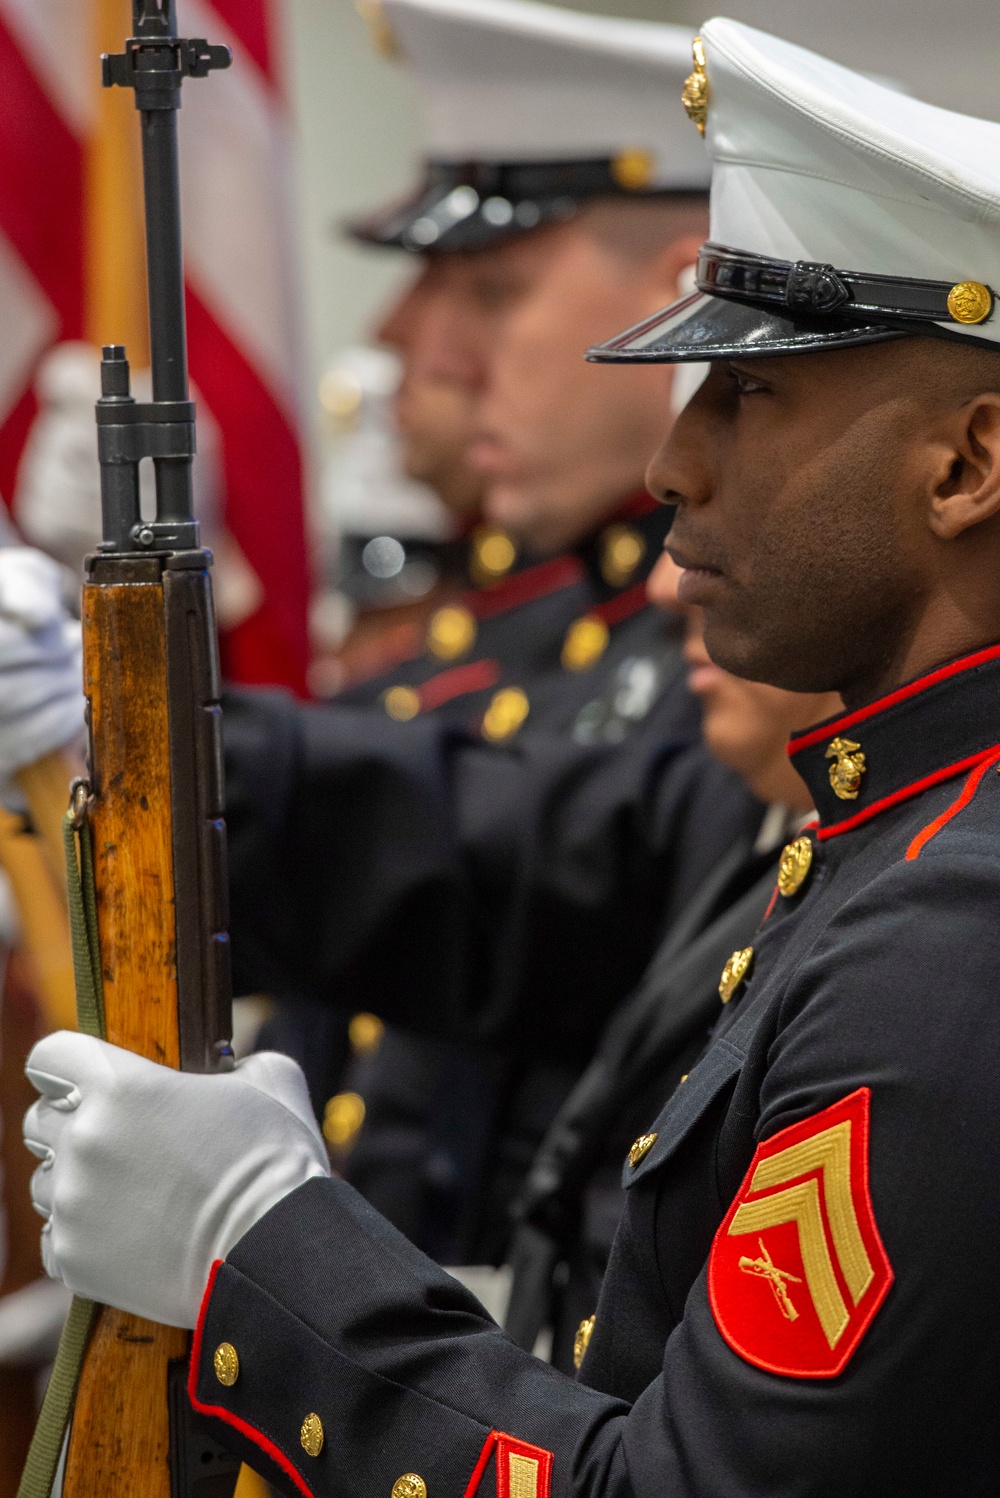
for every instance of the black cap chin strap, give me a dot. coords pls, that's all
(809, 290)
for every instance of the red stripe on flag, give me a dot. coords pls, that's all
(263, 481)
(13, 435)
(41, 187)
(250, 21)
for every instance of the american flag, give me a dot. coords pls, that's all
(71, 265)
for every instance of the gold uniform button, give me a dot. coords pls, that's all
(970, 302)
(622, 549)
(793, 869)
(312, 1435)
(226, 1363)
(401, 703)
(581, 1341)
(586, 641)
(451, 632)
(641, 1148)
(505, 714)
(848, 768)
(410, 1485)
(342, 1119)
(493, 555)
(364, 1032)
(694, 95)
(734, 973)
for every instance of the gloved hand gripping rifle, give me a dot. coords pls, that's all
(152, 811)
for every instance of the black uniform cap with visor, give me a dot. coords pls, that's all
(532, 111)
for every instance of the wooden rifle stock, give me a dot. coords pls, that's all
(155, 793)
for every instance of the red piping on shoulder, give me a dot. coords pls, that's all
(524, 587)
(906, 792)
(912, 689)
(616, 610)
(458, 681)
(268, 1447)
(962, 800)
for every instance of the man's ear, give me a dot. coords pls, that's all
(968, 489)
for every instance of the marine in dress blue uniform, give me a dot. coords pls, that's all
(808, 1231)
(800, 1296)
(481, 800)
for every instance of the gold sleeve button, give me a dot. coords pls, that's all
(401, 703)
(410, 1485)
(226, 1364)
(312, 1435)
(641, 1148)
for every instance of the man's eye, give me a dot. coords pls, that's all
(746, 384)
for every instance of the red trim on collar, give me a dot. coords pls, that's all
(906, 792)
(932, 829)
(458, 681)
(912, 689)
(616, 610)
(219, 1412)
(524, 587)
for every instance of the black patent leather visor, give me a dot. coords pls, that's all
(701, 327)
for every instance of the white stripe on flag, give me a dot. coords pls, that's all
(30, 323)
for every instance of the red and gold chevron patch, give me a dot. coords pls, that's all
(522, 1470)
(797, 1269)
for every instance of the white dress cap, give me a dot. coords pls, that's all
(842, 212)
(531, 110)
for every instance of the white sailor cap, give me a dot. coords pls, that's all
(842, 212)
(530, 111)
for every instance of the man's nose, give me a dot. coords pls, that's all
(679, 473)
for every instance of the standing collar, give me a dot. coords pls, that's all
(925, 732)
(625, 548)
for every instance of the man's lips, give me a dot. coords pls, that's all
(489, 454)
(698, 577)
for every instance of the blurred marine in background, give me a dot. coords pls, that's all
(494, 806)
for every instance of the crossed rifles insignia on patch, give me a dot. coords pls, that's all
(797, 1269)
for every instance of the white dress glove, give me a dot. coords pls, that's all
(41, 696)
(149, 1175)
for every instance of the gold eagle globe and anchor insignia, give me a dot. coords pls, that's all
(848, 768)
(793, 869)
(694, 95)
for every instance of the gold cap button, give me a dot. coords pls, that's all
(586, 641)
(493, 555)
(641, 1148)
(401, 703)
(634, 168)
(970, 302)
(734, 972)
(622, 549)
(342, 1119)
(451, 632)
(848, 767)
(505, 714)
(410, 1485)
(694, 95)
(226, 1364)
(312, 1435)
(796, 861)
(581, 1341)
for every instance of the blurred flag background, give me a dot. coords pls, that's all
(72, 268)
